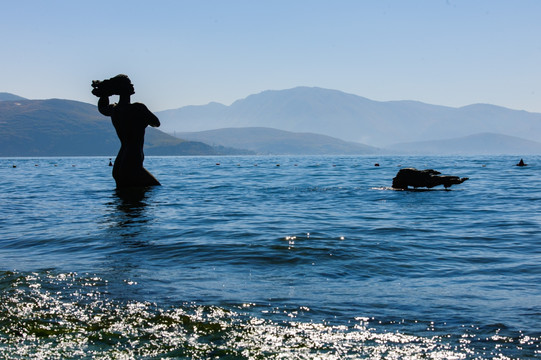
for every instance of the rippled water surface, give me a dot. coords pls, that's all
(270, 257)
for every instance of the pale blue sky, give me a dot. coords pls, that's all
(180, 53)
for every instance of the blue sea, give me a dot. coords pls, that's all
(261, 257)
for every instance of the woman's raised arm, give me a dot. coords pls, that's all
(104, 107)
(153, 120)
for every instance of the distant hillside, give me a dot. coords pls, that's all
(274, 122)
(70, 128)
(479, 144)
(353, 118)
(271, 141)
(10, 97)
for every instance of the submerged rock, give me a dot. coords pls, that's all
(424, 178)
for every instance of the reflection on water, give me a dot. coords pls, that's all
(128, 211)
(128, 232)
(128, 224)
(132, 200)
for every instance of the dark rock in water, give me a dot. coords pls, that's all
(423, 178)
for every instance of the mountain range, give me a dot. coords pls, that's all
(274, 122)
(10, 97)
(58, 127)
(278, 142)
(478, 144)
(353, 118)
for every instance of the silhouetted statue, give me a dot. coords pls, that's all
(423, 178)
(130, 121)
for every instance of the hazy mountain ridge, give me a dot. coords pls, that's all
(278, 142)
(353, 118)
(58, 127)
(10, 97)
(479, 144)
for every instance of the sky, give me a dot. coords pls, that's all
(181, 52)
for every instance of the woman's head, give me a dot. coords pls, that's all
(122, 85)
(118, 85)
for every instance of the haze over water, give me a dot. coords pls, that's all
(239, 257)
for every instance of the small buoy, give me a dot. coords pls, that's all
(277, 164)
(36, 165)
(521, 163)
(217, 163)
(14, 166)
(110, 162)
(376, 164)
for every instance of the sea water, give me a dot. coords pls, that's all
(254, 257)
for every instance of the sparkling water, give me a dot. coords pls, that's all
(252, 257)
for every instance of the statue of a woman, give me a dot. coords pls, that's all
(130, 121)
